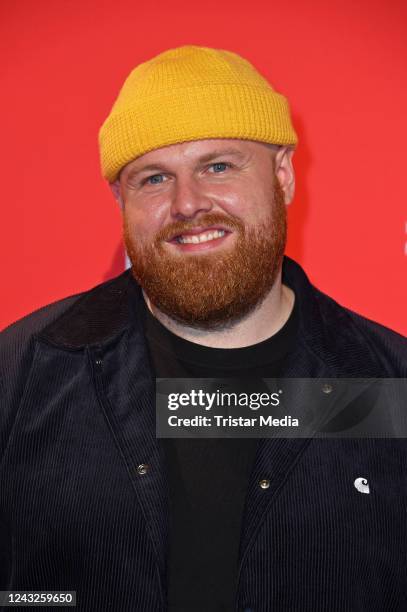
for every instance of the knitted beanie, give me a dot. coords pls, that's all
(191, 93)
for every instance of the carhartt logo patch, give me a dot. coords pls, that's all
(362, 485)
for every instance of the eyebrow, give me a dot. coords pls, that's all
(160, 167)
(220, 153)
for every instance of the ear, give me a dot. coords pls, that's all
(115, 187)
(284, 171)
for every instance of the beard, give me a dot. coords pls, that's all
(212, 291)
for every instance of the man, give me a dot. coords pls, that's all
(198, 150)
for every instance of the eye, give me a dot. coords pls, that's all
(155, 179)
(219, 167)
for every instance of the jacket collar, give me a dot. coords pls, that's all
(326, 330)
(98, 316)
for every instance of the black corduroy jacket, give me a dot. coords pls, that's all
(78, 419)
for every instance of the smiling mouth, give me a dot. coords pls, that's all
(201, 237)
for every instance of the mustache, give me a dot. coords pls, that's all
(227, 222)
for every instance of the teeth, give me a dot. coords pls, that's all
(204, 237)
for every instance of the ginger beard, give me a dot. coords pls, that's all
(211, 290)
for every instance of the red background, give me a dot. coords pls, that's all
(342, 65)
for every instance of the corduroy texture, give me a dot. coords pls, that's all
(77, 418)
(191, 93)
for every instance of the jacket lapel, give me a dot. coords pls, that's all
(105, 322)
(276, 457)
(327, 348)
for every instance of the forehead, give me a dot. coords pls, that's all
(198, 151)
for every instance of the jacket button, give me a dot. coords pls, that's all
(327, 388)
(265, 483)
(142, 469)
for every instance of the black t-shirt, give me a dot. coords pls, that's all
(208, 477)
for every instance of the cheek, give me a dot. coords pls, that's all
(244, 200)
(141, 223)
(232, 201)
(251, 209)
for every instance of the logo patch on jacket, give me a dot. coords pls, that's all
(362, 485)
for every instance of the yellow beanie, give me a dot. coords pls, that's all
(191, 93)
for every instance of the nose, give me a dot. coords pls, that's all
(188, 200)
